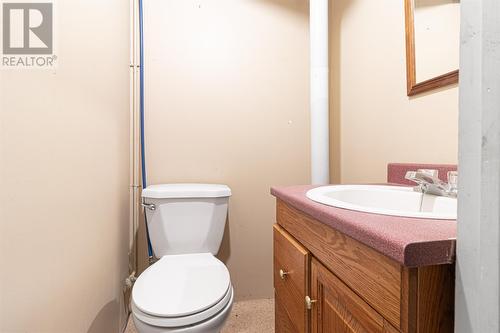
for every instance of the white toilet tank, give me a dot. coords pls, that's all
(186, 218)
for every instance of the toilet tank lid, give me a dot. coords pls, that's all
(172, 191)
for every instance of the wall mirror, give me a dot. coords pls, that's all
(432, 44)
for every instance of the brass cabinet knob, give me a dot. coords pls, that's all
(309, 302)
(283, 274)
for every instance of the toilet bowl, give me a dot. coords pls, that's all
(188, 289)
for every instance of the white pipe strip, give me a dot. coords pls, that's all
(319, 104)
(131, 129)
(134, 137)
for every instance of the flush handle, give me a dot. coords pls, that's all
(283, 274)
(149, 206)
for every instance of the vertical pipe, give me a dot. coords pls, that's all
(135, 207)
(141, 109)
(132, 138)
(141, 92)
(137, 151)
(319, 90)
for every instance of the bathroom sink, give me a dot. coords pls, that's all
(386, 200)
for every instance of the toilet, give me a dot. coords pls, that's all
(188, 289)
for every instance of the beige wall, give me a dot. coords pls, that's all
(64, 178)
(373, 121)
(227, 102)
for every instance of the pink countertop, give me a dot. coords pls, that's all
(410, 241)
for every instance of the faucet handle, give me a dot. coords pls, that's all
(422, 175)
(433, 173)
(453, 178)
(410, 175)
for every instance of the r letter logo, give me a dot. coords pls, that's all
(27, 30)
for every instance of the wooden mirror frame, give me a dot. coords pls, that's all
(413, 88)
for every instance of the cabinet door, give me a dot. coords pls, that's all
(291, 262)
(282, 322)
(336, 308)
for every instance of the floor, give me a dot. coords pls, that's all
(253, 316)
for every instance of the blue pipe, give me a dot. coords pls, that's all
(141, 107)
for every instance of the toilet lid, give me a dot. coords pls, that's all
(219, 309)
(181, 285)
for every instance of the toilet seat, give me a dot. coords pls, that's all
(181, 290)
(187, 320)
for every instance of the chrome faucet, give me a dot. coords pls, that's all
(428, 182)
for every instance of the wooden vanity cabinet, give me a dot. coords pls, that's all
(328, 282)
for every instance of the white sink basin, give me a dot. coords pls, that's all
(386, 200)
